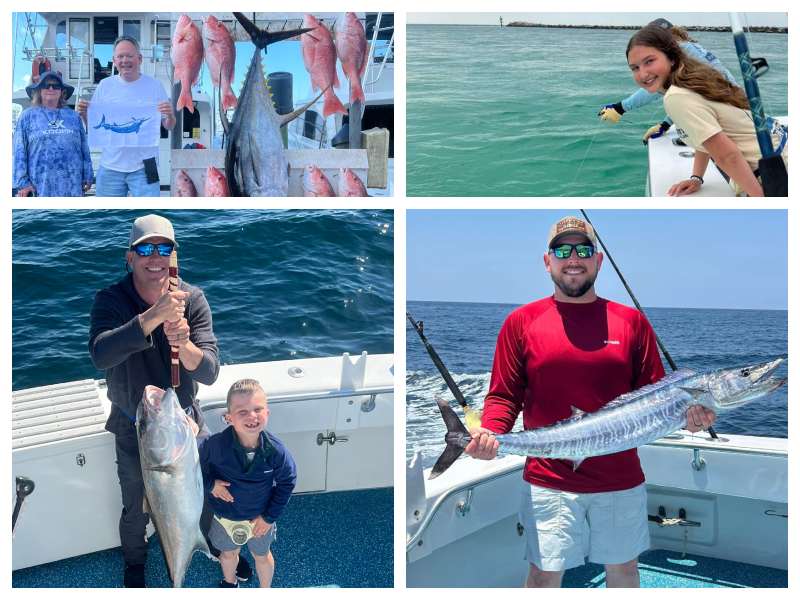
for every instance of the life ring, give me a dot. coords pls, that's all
(37, 68)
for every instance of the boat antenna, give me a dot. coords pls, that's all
(472, 417)
(661, 345)
(770, 166)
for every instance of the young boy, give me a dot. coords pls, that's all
(250, 476)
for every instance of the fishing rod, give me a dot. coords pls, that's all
(472, 417)
(174, 351)
(661, 345)
(771, 167)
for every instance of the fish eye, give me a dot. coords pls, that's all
(745, 373)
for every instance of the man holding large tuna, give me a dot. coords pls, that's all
(134, 324)
(575, 350)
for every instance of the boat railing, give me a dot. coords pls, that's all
(466, 486)
(368, 79)
(366, 406)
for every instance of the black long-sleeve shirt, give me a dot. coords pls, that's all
(132, 360)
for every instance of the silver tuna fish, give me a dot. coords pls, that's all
(629, 421)
(173, 481)
(255, 159)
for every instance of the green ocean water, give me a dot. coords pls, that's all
(513, 111)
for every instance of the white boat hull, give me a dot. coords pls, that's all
(738, 495)
(59, 442)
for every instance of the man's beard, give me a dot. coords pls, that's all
(574, 291)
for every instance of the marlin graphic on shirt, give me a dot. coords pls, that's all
(131, 126)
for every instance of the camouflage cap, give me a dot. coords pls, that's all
(573, 225)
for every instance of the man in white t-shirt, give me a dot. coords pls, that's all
(129, 169)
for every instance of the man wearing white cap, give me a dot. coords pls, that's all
(133, 325)
(575, 349)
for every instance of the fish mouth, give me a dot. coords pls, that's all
(758, 372)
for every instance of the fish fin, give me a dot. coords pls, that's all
(452, 451)
(576, 462)
(284, 119)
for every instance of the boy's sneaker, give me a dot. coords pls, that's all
(243, 570)
(223, 583)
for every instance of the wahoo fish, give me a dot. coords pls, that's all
(131, 126)
(187, 58)
(629, 421)
(173, 481)
(255, 159)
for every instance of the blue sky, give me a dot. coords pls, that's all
(671, 258)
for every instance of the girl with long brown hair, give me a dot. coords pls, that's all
(710, 113)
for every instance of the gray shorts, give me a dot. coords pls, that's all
(258, 545)
(561, 528)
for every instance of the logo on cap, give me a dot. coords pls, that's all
(570, 223)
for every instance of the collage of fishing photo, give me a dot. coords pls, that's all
(555, 346)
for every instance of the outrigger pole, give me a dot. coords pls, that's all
(472, 417)
(771, 167)
(661, 345)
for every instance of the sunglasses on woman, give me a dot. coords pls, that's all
(147, 249)
(52, 86)
(564, 251)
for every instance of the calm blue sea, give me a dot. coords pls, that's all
(281, 284)
(513, 111)
(464, 335)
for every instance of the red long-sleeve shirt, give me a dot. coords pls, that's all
(551, 356)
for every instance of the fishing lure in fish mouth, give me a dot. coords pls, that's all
(629, 421)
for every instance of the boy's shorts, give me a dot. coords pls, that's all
(561, 528)
(258, 545)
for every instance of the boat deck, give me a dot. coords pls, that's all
(668, 569)
(340, 539)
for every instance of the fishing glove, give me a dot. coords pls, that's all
(656, 131)
(611, 112)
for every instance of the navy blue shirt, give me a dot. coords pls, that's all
(262, 487)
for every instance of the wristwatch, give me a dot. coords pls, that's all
(698, 178)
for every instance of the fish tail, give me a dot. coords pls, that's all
(261, 37)
(185, 99)
(455, 429)
(356, 91)
(332, 104)
(229, 100)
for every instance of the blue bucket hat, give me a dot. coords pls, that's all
(68, 89)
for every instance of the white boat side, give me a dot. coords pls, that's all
(334, 414)
(735, 488)
(669, 163)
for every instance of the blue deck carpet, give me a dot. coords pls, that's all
(667, 569)
(341, 539)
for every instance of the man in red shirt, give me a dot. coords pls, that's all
(575, 349)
